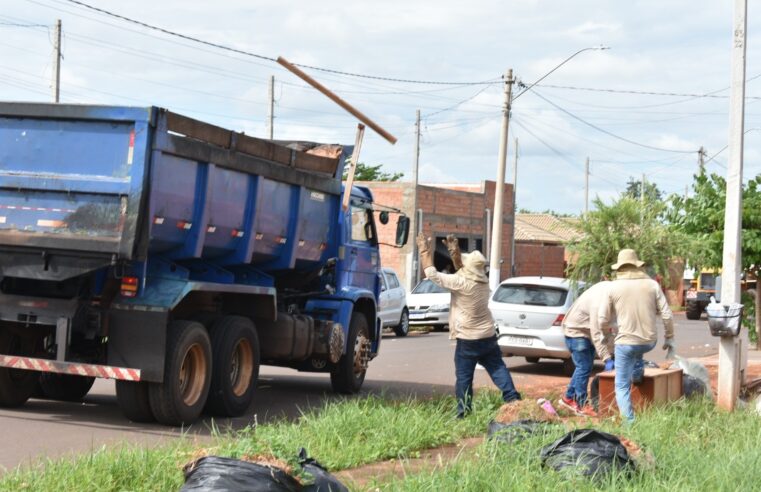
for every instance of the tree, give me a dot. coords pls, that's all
(701, 217)
(365, 172)
(634, 190)
(625, 223)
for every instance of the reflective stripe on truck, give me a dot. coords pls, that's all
(74, 368)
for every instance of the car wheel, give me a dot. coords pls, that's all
(403, 328)
(568, 367)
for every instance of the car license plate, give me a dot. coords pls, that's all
(417, 316)
(526, 341)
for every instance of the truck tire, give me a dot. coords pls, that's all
(65, 387)
(180, 398)
(403, 328)
(693, 310)
(349, 373)
(235, 367)
(134, 402)
(16, 385)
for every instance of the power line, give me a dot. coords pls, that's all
(602, 130)
(711, 94)
(264, 57)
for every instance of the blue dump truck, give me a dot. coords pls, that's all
(175, 257)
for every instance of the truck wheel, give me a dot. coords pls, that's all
(693, 310)
(65, 387)
(235, 368)
(187, 375)
(403, 328)
(16, 385)
(349, 373)
(133, 400)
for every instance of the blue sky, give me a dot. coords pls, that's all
(656, 46)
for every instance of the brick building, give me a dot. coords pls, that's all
(539, 244)
(463, 210)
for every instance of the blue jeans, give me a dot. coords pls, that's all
(629, 366)
(583, 355)
(486, 352)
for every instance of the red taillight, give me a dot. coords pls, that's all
(559, 320)
(129, 286)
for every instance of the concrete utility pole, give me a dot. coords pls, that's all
(701, 161)
(515, 201)
(586, 187)
(732, 350)
(642, 190)
(271, 108)
(57, 62)
(495, 265)
(416, 217)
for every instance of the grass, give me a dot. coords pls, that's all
(695, 447)
(340, 435)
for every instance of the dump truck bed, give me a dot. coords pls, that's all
(83, 186)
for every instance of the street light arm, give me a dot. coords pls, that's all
(558, 66)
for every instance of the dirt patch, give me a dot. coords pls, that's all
(359, 478)
(524, 409)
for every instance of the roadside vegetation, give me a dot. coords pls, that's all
(689, 445)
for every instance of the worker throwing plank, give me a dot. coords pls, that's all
(470, 321)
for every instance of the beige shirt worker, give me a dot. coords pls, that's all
(636, 300)
(582, 320)
(469, 316)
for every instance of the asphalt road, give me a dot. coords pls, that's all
(418, 365)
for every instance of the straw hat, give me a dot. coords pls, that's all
(474, 266)
(627, 257)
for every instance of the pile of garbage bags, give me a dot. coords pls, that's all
(218, 474)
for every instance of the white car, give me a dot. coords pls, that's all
(393, 304)
(529, 312)
(429, 305)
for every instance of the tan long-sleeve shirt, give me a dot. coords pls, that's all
(636, 300)
(469, 315)
(582, 320)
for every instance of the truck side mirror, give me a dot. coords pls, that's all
(402, 230)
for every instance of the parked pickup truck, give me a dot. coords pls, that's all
(175, 257)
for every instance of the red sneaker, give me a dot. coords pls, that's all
(569, 404)
(587, 411)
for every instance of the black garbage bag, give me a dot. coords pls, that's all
(514, 431)
(587, 452)
(217, 474)
(693, 387)
(594, 393)
(322, 480)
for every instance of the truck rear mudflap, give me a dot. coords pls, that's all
(72, 368)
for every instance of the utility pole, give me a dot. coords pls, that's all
(515, 201)
(586, 187)
(701, 161)
(732, 350)
(271, 108)
(416, 216)
(495, 265)
(642, 190)
(57, 62)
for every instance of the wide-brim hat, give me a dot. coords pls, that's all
(474, 266)
(627, 257)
